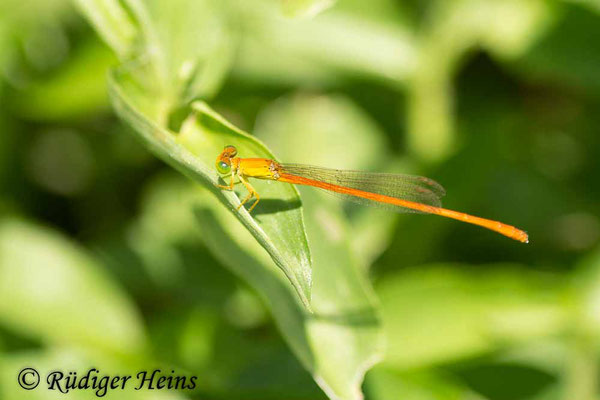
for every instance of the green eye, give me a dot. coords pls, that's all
(223, 167)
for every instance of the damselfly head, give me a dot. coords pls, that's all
(230, 151)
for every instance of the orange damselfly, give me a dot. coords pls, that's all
(404, 193)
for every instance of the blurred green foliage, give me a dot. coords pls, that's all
(111, 258)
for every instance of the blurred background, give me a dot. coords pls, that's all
(499, 101)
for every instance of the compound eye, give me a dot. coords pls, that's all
(223, 167)
(230, 150)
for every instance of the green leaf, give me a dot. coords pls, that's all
(38, 25)
(181, 46)
(439, 313)
(76, 89)
(342, 338)
(112, 22)
(277, 223)
(586, 297)
(324, 49)
(52, 291)
(305, 8)
(387, 384)
(188, 43)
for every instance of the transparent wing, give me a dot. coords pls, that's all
(408, 187)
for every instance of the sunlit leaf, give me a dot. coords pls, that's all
(386, 384)
(185, 44)
(112, 22)
(179, 58)
(342, 338)
(78, 88)
(52, 291)
(37, 25)
(305, 8)
(188, 43)
(440, 313)
(323, 49)
(586, 298)
(277, 223)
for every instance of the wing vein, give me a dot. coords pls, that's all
(414, 188)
